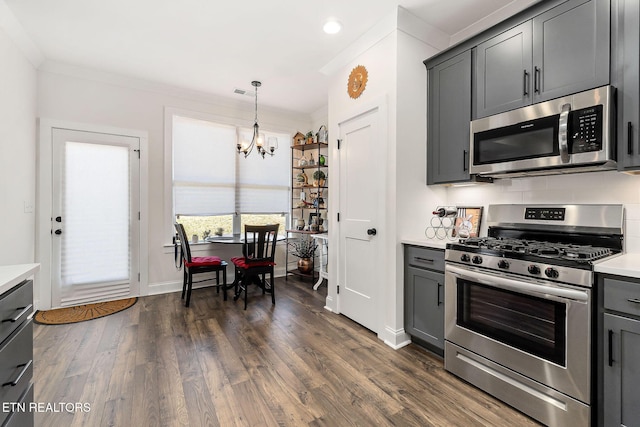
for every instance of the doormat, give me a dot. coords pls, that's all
(80, 313)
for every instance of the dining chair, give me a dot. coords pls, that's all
(198, 265)
(258, 260)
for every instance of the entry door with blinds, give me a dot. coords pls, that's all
(95, 221)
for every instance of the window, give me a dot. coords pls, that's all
(217, 191)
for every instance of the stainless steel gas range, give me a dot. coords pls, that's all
(519, 306)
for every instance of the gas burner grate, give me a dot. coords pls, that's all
(551, 250)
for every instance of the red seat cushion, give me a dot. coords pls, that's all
(241, 262)
(203, 261)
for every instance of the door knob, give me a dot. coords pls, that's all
(58, 231)
(371, 232)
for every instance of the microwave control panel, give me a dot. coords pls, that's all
(585, 130)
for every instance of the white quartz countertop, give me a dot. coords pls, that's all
(427, 243)
(11, 275)
(627, 265)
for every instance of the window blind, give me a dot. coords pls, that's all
(210, 178)
(203, 167)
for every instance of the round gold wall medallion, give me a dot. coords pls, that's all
(357, 81)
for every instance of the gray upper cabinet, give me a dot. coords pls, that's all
(448, 119)
(627, 67)
(503, 71)
(559, 52)
(571, 48)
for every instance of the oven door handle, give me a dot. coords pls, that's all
(522, 286)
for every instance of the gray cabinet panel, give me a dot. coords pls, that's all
(621, 404)
(427, 321)
(627, 64)
(448, 118)
(561, 51)
(503, 71)
(424, 296)
(571, 48)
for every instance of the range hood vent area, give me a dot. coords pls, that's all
(562, 170)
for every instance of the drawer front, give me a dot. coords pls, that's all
(622, 296)
(15, 306)
(23, 415)
(16, 365)
(432, 259)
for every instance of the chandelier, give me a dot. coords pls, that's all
(257, 139)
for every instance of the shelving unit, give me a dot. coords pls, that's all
(314, 201)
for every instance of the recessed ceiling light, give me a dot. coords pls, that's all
(332, 26)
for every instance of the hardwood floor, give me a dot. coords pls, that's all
(214, 364)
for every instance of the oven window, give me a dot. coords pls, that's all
(537, 138)
(531, 324)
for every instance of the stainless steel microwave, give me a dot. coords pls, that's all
(570, 134)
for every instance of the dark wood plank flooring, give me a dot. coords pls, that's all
(214, 364)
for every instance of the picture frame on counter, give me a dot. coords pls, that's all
(467, 223)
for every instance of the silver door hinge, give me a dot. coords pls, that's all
(339, 141)
(138, 277)
(338, 289)
(338, 216)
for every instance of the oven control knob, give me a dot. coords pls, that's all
(465, 258)
(503, 264)
(551, 272)
(477, 260)
(534, 269)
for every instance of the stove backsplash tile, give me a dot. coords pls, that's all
(584, 188)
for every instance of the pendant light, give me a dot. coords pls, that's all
(257, 140)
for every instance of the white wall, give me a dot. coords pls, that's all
(92, 97)
(397, 75)
(379, 60)
(17, 154)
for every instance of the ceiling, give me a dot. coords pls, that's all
(214, 47)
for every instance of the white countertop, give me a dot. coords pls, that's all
(427, 243)
(11, 275)
(627, 265)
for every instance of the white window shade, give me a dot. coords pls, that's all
(96, 208)
(263, 184)
(204, 161)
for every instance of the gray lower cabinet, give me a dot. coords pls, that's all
(620, 405)
(561, 51)
(16, 354)
(626, 66)
(448, 120)
(424, 296)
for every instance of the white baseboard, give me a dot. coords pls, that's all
(396, 338)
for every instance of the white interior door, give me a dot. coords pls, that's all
(358, 246)
(95, 221)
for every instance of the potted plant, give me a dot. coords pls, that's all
(304, 249)
(309, 136)
(319, 178)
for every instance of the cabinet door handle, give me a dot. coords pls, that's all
(610, 347)
(465, 153)
(634, 300)
(629, 138)
(19, 315)
(25, 367)
(417, 258)
(536, 80)
(525, 83)
(439, 300)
